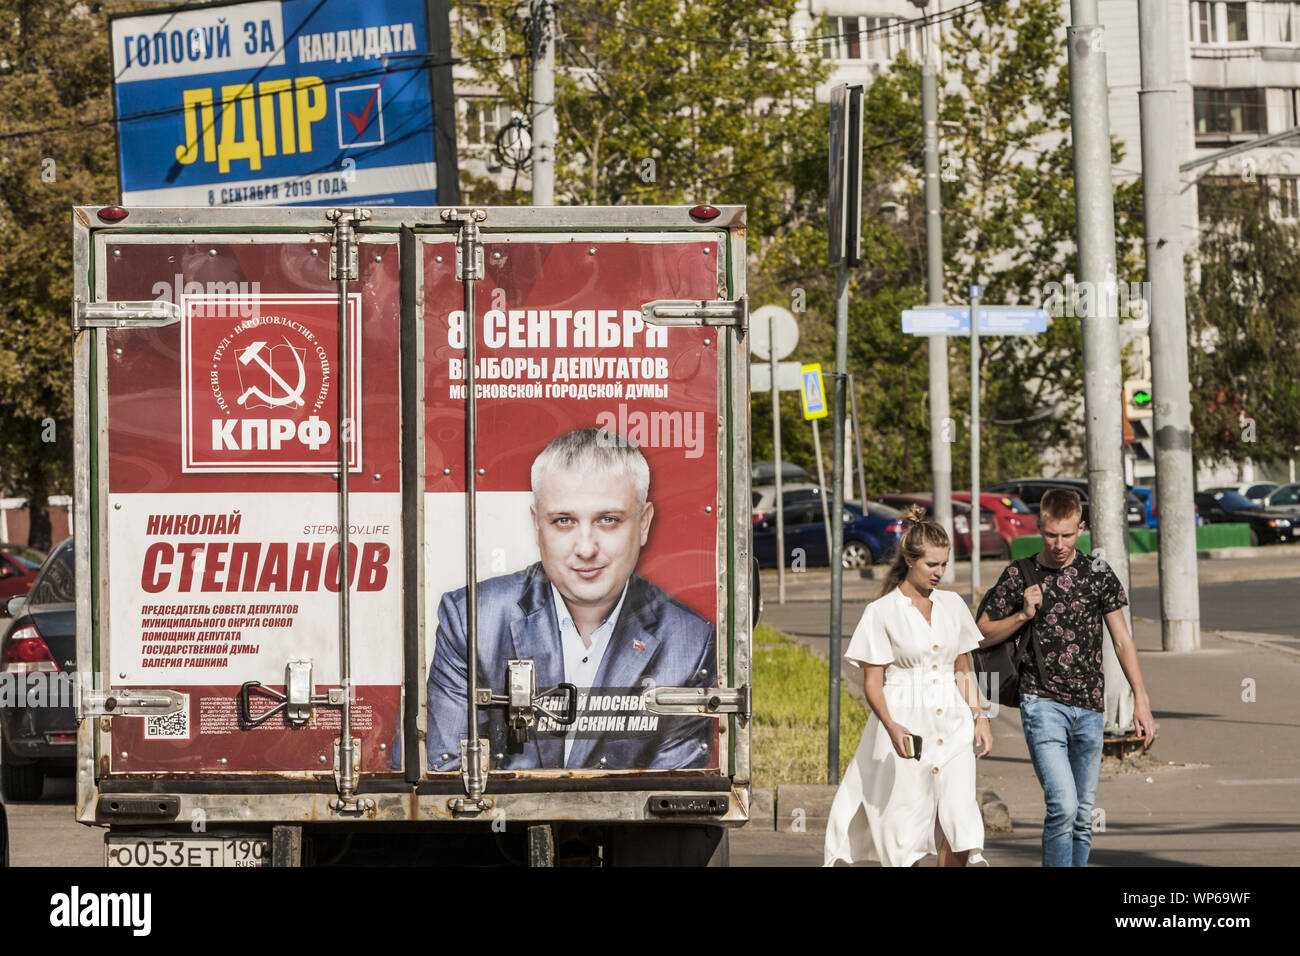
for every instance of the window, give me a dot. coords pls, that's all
(912, 39)
(841, 40)
(57, 583)
(1229, 111)
(485, 118)
(879, 35)
(1202, 23)
(1236, 22)
(1280, 22)
(1285, 199)
(877, 39)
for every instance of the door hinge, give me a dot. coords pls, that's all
(733, 312)
(343, 250)
(124, 315)
(709, 701)
(469, 243)
(131, 703)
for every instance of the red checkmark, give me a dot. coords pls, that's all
(359, 122)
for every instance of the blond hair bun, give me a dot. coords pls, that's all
(914, 514)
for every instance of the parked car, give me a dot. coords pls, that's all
(764, 497)
(1286, 498)
(990, 541)
(41, 640)
(1256, 491)
(764, 473)
(18, 567)
(869, 538)
(1012, 518)
(1148, 498)
(1266, 524)
(1031, 491)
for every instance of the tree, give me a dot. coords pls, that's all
(1008, 223)
(1243, 307)
(660, 101)
(56, 151)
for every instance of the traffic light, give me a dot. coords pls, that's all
(1139, 430)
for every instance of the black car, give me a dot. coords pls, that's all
(1219, 507)
(1031, 491)
(38, 649)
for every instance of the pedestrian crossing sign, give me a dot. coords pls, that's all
(813, 393)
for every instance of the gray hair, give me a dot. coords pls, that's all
(589, 450)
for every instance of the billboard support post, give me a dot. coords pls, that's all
(776, 454)
(543, 105)
(846, 252)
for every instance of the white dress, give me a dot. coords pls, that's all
(886, 807)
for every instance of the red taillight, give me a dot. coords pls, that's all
(895, 527)
(112, 214)
(705, 212)
(26, 652)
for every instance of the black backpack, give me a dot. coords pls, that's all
(997, 668)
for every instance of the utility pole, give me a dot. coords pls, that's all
(974, 519)
(543, 105)
(1180, 607)
(940, 423)
(1094, 203)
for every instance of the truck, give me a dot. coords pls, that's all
(362, 580)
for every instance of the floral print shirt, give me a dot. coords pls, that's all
(1063, 659)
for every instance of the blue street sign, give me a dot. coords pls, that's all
(976, 291)
(937, 320)
(1011, 320)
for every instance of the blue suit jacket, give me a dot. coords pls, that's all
(655, 637)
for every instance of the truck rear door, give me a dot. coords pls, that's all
(229, 361)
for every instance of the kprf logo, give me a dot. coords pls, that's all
(259, 383)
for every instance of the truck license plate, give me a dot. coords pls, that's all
(187, 851)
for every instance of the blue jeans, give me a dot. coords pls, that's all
(1065, 747)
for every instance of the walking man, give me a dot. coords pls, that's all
(1061, 694)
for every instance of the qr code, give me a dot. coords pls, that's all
(170, 726)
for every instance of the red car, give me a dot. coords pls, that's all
(19, 565)
(991, 543)
(1011, 516)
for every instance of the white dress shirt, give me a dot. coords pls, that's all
(581, 663)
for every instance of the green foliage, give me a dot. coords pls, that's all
(1008, 225)
(54, 79)
(1243, 307)
(791, 726)
(645, 117)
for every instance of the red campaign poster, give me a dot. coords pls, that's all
(597, 497)
(222, 519)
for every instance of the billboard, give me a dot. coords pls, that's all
(305, 102)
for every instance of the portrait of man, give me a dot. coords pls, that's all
(584, 617)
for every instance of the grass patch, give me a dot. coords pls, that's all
(789, 731)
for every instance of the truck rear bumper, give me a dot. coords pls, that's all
(158, 804)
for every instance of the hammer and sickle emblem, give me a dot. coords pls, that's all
(291, 396)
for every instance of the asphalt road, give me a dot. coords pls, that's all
(1260, 607)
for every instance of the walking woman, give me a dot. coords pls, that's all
(911, 645)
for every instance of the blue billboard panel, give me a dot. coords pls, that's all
(302, 102)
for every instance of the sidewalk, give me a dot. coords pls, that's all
(1221, 785)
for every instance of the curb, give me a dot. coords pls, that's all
(803, 807)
